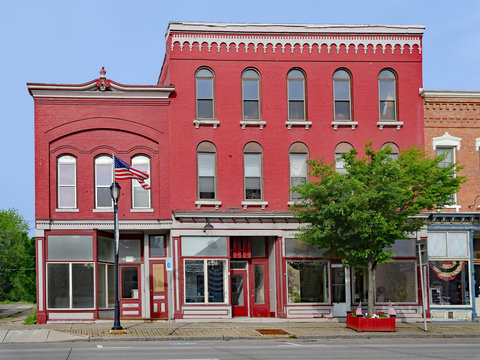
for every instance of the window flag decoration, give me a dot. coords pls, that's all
(123, 171)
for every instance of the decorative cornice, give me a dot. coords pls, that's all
(446, 140)
(449, 93)
(102, 224)
(297, 40)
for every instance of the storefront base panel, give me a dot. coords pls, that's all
(404, 313)
(106, 314)
(308, 312)
(71, 316)
(451, 315)
(207, 312)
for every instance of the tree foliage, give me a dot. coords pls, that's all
(356, 216)
(17, 258)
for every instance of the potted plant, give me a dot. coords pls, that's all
(375, 322)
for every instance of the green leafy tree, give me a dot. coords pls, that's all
(17, 258)
(356, 216)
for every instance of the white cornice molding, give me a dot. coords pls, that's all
(446, 140)
(42, 225)
(91, 90)
(449, 93)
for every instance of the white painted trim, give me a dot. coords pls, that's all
(200, 203)
(247, 203)
(130, 313)
(382, 124)
(42, 225)
(456, 207)
(70, 316)
(336, 124)
(130, 305)
(40, 275)
(291, 123)
(106, 210)
(477, 143)
(198, 122)
(146, 210)
(259, 123)
(72, 210)
(449, 93)
(446, 140)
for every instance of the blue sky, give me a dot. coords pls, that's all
(69, 41)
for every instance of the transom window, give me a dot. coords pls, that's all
(207, 171)
(251, 94)
(252, 169)
(298, 156)
(66, 182)
(141, 196)
(204, 85)
(103, 180)
(342, 94)
(387, 95)
(296, 95)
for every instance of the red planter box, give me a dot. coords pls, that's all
(363, 324)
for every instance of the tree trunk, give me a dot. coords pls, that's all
(371, 283)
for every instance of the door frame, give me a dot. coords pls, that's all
(130, 307)
(259, 310)
(340, 309)
(238, 310)
(158, 298)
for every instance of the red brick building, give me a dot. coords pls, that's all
(452, 127)
(225, 134)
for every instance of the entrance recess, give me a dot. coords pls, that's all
(341, 298)
(158, 290)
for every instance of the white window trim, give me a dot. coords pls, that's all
(259, 123)
(226, 273)
(337, 123)
(66, 159)
(198, 122)
(382, 124)
(200, 203)
(136, 184)
(106, 283)
(290, 123)
(102, 160)
(247, 203)
(70, 290)
(447, 140)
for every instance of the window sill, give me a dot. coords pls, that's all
(66, 210)
(289, 124)
(248, 203)
(141, 210)
(103, 210)
(352, 124)
(259, 123)
(200, 203)
(198, 122)
(456, 207)
(382, 124)
(294, 202)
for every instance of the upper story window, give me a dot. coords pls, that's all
(395, 151)
(253, 171)
(204, 86)
(251, 94)
(103, 180)
(298, 156)
(296, 95)
(341, 149)
(207, 171)
(141, 196)
(387, 89)
(342, 95)
(66, 182)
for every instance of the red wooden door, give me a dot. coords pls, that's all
(239, 292)
(130, 291)
(259, 289)
(158, 290)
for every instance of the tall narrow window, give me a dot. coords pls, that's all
(103, 180)
(448, 161)
(296, 95)
(251, 94)
(395, 151)
(207, 170)
(341, 149)
(204, 93)
(141, 196)
(298, 156)
(252, 165)
(66, 182)
(342, 93)
(387, 95)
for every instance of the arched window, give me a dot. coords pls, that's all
(253, 171)
(296, 95)
(341, 149)
(140, 196)
(103, 180)
(207, 171)
(66, 182)
(298, 156)
(204, 86)
(342, 95)
(251, 94)
(395, 151)
(387, 89)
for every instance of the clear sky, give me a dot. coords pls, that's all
(64, 41)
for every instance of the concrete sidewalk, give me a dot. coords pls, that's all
(255, 329)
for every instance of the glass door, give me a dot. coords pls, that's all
(340, 290)
(259, 289)
(130, 292)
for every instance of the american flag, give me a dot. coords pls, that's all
(123, 171)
